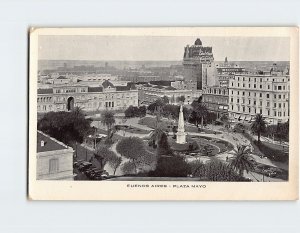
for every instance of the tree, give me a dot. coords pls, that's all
(68, 127)
(108, 119)
(165, 99)
(241, 161)
(171, 166)
(142, 111)
(133, 149)
(199, 113)
(258, 126)
(115, 161)
(163, 146)
(214, 170)
(156, 105)
(225, 120)
(180, 99)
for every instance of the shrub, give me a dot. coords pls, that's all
(215, 171)
(171, 166)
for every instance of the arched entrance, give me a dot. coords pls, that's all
(70, 104)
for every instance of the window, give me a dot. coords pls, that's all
(268, 104)
(279, 105)
(249, 101)
(232, 92)
(238, 92)
(254, 85)
(254, 102)
(274, 96)
(238, 108)
(238, 100)
(231, 100)
(260, 94)
(243, 109)
(260, 111)
(243, 84)
(268, 95)
(268, 112)
(243, 93)
(268, 86)
(260, 80)
(279, 96)
(249, 109)
(112, 104)
(279, 87)
(283, 87)
(53, 165)
(249, 94)
(238, 84)
(260, 103)
(274, 105)
(249, 85)
(260, 86)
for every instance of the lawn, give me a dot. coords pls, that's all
(168, 125)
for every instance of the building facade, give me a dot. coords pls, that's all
(267, 94)
(226, 71)
(150, 93)
(54, 159)
(197, 61)
(106, 96)
(216, 99)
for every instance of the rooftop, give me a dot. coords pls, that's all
(45, 91)
(50, 144)
(95, 89)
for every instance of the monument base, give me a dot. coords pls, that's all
(181, 138)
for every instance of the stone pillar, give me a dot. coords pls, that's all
(181, 135)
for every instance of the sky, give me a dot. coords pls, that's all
(157, 48)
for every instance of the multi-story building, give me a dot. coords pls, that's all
(197, 62)
(226, 71)
(54, 159)
(106, 96)
(267, 94)
(216, 99)
(148, 93)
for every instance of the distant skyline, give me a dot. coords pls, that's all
(155, 48)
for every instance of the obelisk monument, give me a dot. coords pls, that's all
(180, 135)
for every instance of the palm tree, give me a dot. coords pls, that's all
(241, 161)
(108, 119)
(199, 112)
(258, 126)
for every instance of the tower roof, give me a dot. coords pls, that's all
(198, 42)
(107, 84)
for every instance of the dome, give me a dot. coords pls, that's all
(198, 42)
(107, 84)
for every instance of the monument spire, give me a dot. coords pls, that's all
(181, 135)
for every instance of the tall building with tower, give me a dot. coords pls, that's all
(197, 63)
